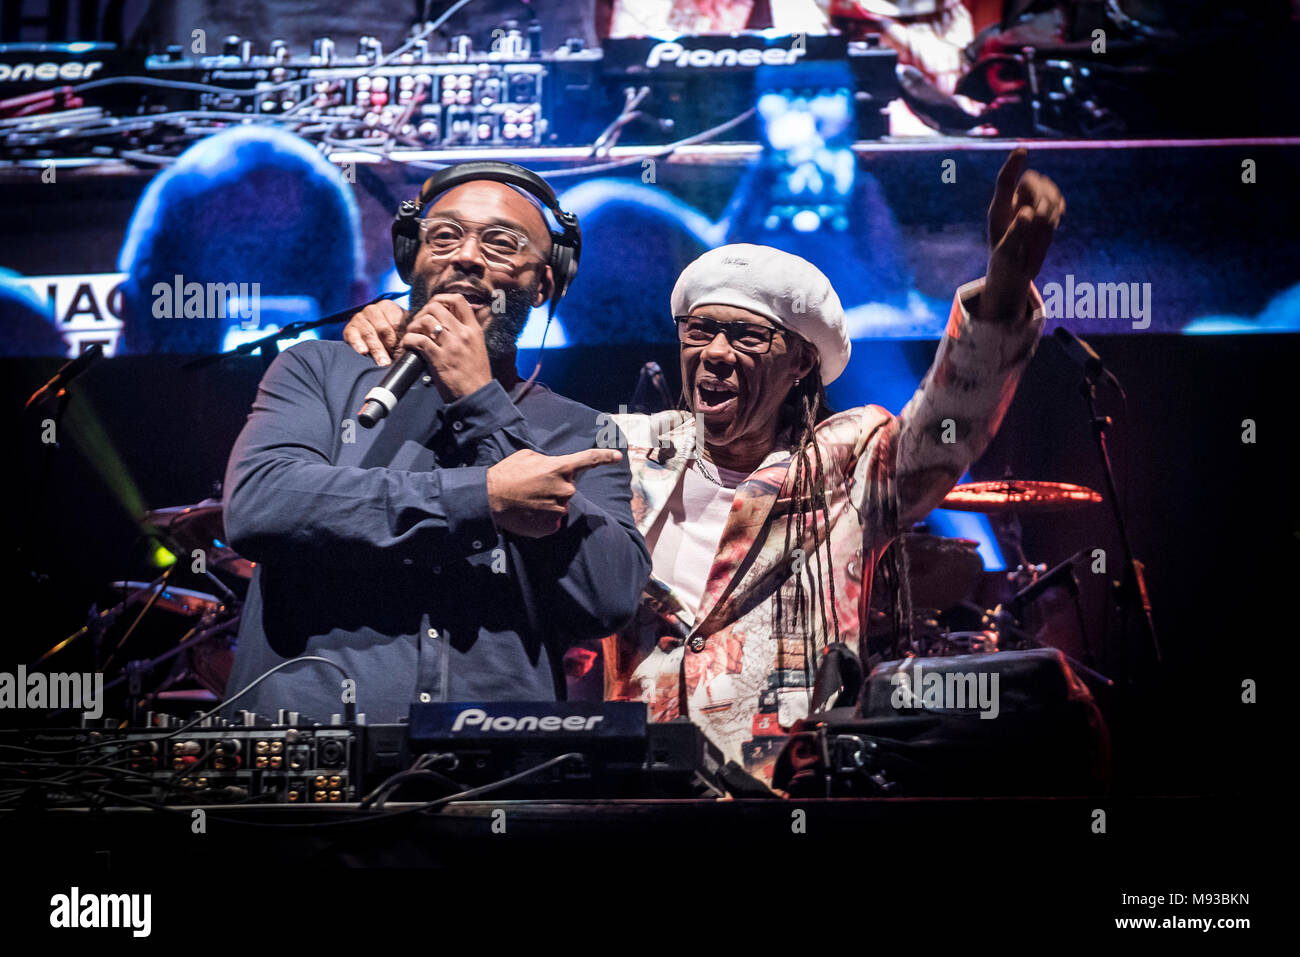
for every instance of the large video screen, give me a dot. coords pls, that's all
(209, 176)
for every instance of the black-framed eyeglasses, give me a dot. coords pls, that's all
(501, 245)
(744, 337)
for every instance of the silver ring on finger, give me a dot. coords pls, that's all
(437, 331)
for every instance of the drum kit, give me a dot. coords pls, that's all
(203, 653)
(942, 574)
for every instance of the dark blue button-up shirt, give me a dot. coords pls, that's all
(377, 548)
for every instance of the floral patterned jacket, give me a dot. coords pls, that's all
(746, 684)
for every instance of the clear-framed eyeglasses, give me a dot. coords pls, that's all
(501, 246)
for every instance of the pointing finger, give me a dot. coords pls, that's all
(577, 462)
(388, 324)
(1002, 206)
(353, 338)
(1009, 176)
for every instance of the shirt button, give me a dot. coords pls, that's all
(425, 697)
(458, 425)
(476, 544)
(432, 632)
(408, 561)
(437, 569)
(427, 380)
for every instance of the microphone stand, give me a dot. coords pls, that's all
(97, 621)
(38, 499)
(1131, 591)
(1009, 624)
(270, 344)
(134, 672)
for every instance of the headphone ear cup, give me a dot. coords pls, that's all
(563, 268)
(406, 246)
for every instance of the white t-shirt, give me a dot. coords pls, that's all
(684, 540)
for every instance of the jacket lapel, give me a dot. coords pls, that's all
(659, 449)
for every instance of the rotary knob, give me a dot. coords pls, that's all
(322, 49)
(460, 46)
(369, 50)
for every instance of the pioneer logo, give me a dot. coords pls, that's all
(75, 70)
(480, 720)
(670, 52)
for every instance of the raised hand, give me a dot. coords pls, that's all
(1024, 214)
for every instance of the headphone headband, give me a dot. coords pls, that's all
(495, 170)
(566, 245)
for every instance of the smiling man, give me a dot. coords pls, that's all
(765, 512)
(456, 551)
(488, 244)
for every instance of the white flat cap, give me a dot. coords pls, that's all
(788, 290)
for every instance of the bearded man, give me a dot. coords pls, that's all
(456, 551)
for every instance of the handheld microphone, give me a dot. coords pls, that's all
(67, 372)
(383, 398)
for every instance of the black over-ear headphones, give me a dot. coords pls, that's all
(566, 246)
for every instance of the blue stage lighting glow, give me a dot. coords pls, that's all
(970, 525)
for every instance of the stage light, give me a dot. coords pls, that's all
(161, 557)
(805, 221)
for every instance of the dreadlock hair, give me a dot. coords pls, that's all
(803, 409)
(895, 582)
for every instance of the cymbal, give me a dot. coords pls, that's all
(182, 601)
(1006, 495)
(187, 527)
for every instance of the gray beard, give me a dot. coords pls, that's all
(503, 331)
